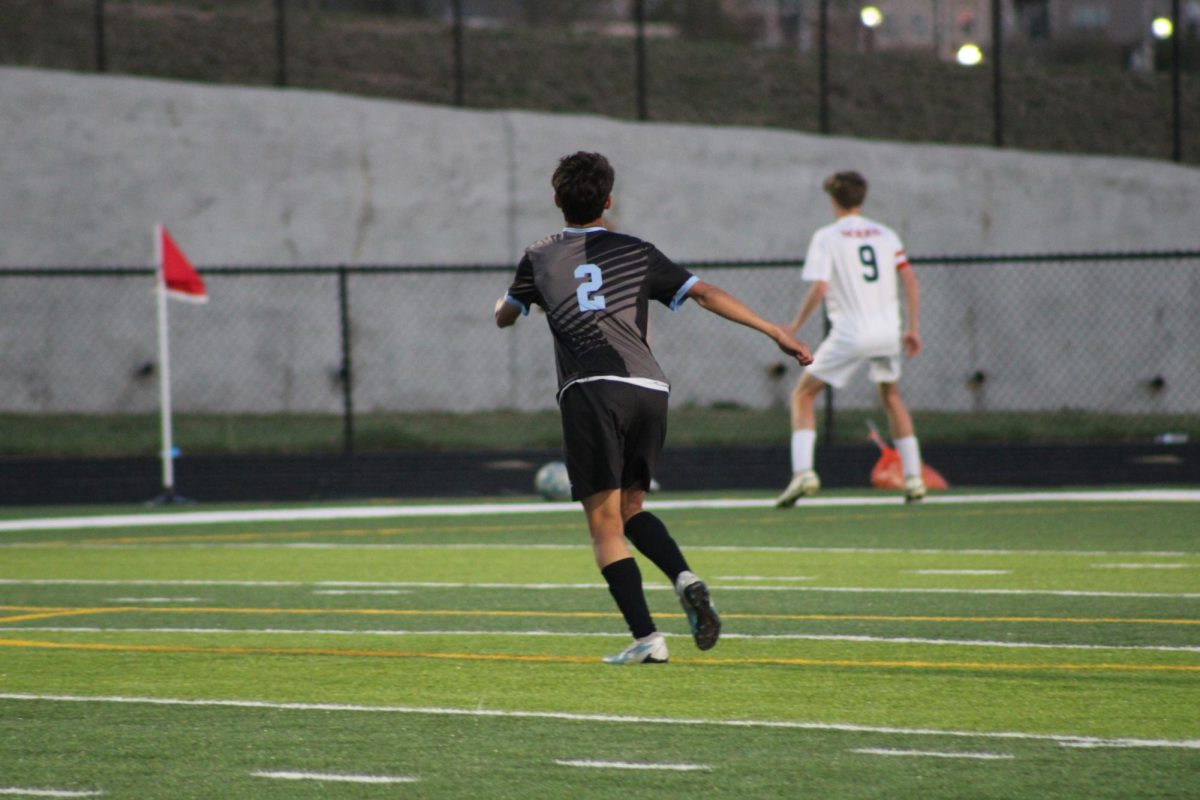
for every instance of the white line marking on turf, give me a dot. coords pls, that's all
(362, 591)
(961, 571)
(1088, 744)
(818, 637)
(592, 586)
(883, 751)
(19, 792)
(765, 577)
(1075, 740)
(544, 546)
(632, 765)
(287, 775)
(1140, 566)
(459, 510)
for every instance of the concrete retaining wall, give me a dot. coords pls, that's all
(88, 164)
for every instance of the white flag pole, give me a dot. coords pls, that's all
(164, 377)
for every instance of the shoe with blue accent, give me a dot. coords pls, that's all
(702, 617)
(650, 649)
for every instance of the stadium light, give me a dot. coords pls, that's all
(871, 16)
(969, 55)
(1162, 28)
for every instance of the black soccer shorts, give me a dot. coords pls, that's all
(612, 435)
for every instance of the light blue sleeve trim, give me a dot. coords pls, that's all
(681, 295)
(512, 301)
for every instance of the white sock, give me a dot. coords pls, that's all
(804, 441)
(910, 455)
(684, 580)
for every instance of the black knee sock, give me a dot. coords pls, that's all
(625, 583)
(649, 535)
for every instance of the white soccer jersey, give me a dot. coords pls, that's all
(859, 259)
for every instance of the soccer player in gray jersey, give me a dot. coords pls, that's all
(595, 286)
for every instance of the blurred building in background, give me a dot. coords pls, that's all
(1122, 27)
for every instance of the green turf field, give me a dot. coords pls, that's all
(1000, 647)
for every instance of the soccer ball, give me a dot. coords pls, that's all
(552, 482)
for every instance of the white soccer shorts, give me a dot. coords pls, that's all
(837, 359)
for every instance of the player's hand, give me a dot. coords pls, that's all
(793, 347)
(505, 313)
(912, 343)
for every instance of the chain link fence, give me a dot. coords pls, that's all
(1100, 334)
(1053, 75)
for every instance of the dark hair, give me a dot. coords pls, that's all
(582, 184)
(848, 189)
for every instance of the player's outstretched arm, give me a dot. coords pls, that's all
(912, 312)
(722, 303)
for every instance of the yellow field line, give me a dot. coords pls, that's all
(250, 536)
(567, 659)
(886, 618)
(280, 651)
(59, 612)
(417, 612)
(403, 612)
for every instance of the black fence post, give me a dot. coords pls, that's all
(997, 74)
(280, 42)
(639, 18)
(347, 370)
(1176, 82)
(457, 35)
(823, 67)
(101, 55)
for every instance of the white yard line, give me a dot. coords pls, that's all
(1141, 566)
(15, 791)
(583, 546)
(591, 586)
(883, 751)
(764, 577)
(920, 551)
(816, 637)
(1084, 744)
(362, 591)
(632, 765)
(290, 775)
(1066, 739)
(459, 510)
(960, 571)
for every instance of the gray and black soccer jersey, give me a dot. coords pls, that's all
(595, 286)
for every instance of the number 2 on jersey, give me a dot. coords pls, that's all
(592, 279)
(866, 254)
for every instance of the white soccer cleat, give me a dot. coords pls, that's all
(804, 484)
(651, 649)
(914, 489)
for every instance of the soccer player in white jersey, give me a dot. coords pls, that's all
(856, 267)
(595, 286)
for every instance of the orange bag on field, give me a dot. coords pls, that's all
(888, 473)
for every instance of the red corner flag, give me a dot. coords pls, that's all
(181, 278)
